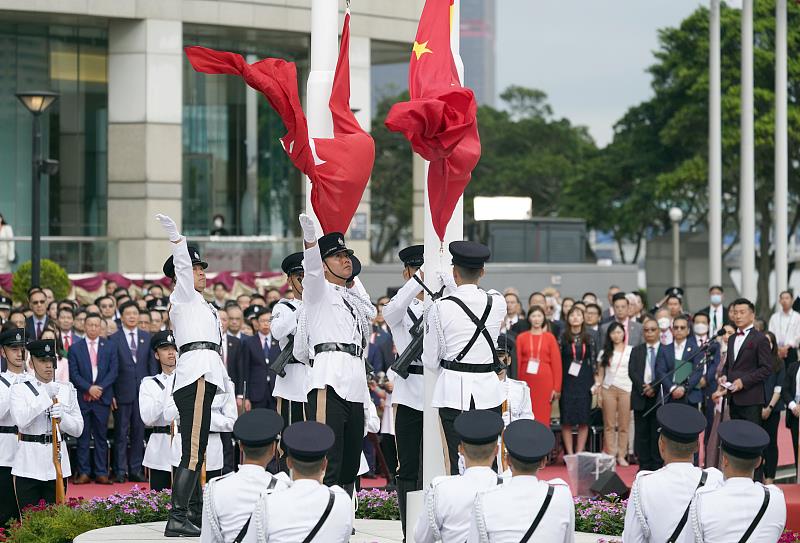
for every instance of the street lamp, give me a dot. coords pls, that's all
(676, 216)
(37, 103)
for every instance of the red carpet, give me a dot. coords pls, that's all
(92, 490)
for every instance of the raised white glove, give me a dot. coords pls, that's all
(447, 280)
(307, 225)
(52, 389)
(56, 410)
(169, 227)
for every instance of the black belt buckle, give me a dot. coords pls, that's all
(8, 430)
(161, 430)
(415, 370)
(201, 345)
(44, 439)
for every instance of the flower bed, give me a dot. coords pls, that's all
(377, 504)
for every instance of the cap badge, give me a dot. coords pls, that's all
(19, 337)
(47, 348)
(340, 241)
(169, 338)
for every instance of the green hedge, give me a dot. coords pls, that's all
(51, 276)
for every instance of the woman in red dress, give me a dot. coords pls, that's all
(539, 364)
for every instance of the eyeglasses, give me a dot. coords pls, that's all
(38, 302)
(653, 329)
(102, 306)
(680, 327)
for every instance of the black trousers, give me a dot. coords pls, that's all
(194, 408)
(746, 412)
(645, 440)
(160, 479)
(346, 419)
(389, 451)
(771, 452)
(8, 506)
(447, 417)
(408, 435)
(228, 454)
(213, 474)
(792, 424)
(290, 412)
(32, 491)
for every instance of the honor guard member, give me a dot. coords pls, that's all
(34, 405)
(223, 416)
(158, 412)
(12, 343)
(198, 374)
(290, 389)
(229, 500)
(461, 330)
(447, 508)
(549, 512)
(402, 314)
(517, 403)
(658, 509)
(306, 511)
(740, 509)
(338, 325)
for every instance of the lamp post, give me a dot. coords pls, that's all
(676, 216)
(37, 103)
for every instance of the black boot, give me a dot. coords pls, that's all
(404, 486)
(183, 485)
(195, 514)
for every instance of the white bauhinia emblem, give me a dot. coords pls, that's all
(47, 348)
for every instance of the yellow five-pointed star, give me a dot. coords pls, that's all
(421, 48)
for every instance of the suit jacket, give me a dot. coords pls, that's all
(789, 388)
(380, 354)
(260, 379)
(80, 369)
(753, 366)
(233, 363)
(665, 363)
(636, 366)
(725, 320)
(30, 328)
(635, 336)
(712, 363)
(126, 387)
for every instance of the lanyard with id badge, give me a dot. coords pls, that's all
(533, 362)
(575, 365)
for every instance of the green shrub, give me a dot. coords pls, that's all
(51, 276)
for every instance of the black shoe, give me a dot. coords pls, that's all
(195, 514)
(119, 478)
(137, 477)
(183, 486)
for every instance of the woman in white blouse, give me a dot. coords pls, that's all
(615, 397)
(7, 254)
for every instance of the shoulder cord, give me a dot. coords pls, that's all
(208, 501)
(637, 504)
(431, 506)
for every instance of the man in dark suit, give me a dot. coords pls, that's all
(716, 310)
(642, 372)
(36, 322)
(633, 329)
(258, 351)
(133, 354)
(682, 349)
(751, 365)
(790, 396)
(232, 359)
(93, 370)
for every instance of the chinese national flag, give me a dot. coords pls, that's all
(344, 162)
(440, 120)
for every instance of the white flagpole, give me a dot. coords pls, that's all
(747, 210)
(781, 153)
(714, 150)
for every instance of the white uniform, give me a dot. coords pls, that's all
(156, 409)
(518, 395)
(455, 389)
(724, 513)
(194, 319)
(659, 499)
(448, 505)
(329, 320)
(228, 501)
(30, 406)
(372, 424)
(409, 391)
(288, 516)
(495, 517)
(293, 386)
(8, 439)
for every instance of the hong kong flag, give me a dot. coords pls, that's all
(343, 163)
(440, 120)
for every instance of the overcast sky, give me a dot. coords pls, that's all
(589, 56)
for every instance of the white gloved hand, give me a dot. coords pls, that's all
(56, 410)
(307, 225)
(171, 410)
(52, 389)
(169, 227)
(446, 279)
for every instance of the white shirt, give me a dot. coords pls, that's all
(330, 321)
(156, 409)
(616, 374)
(289, 516)
(135, 332)
(648, 371)
(193, 319)
(448, 505)
(725, 513)
(293, 386)
(679, 348)
(739, 341)
(786, 327)
(409, 391)
(493, 519)
(715, 319)
(448, 329)
(231, 498)
(29, 411)
(659, 499)
(8, 442)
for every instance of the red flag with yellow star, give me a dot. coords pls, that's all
(338, 167)
(440, 120)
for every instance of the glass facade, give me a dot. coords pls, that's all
(70, 60)
(252, 184)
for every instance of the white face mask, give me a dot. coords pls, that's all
(663, 323)
(716, 299)
(218, 223)
(700, 329)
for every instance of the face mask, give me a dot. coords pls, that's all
(700, 329)
(716, 299)
(663, 323)
(218, 223)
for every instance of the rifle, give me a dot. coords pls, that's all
(414, 350)
(60, 497)
(284, 359)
